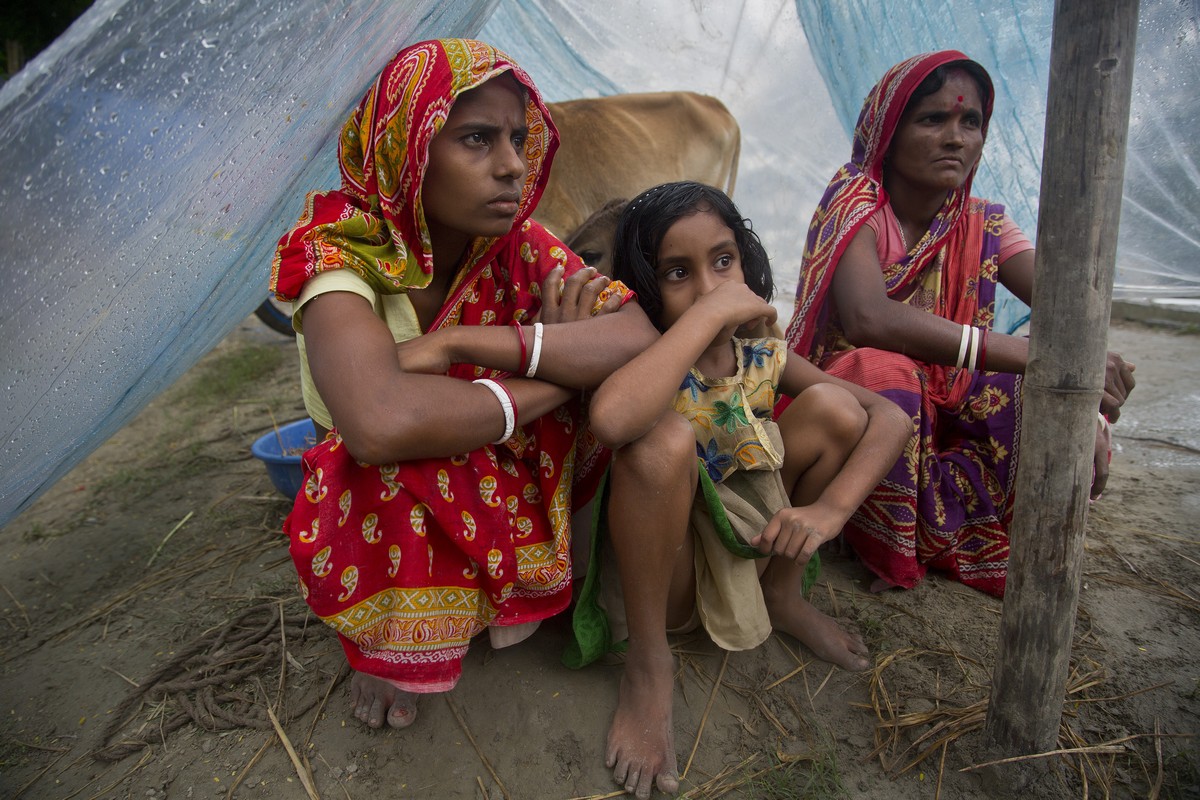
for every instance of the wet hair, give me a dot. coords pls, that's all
(644, 225)
(935, 80)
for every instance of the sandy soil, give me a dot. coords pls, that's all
(152, 630)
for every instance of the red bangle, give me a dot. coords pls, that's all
(983, 348)
(524, 351)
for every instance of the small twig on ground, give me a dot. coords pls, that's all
(937, 793)
(337, 678)
(482, 789)
(38, 776)
(125, 678)
(1185, 558)
(704, 718)
(145, 759)
(167, 538)
(828, 675)
(1158, 758)
(20, 606)
(617, 793)
(478, 751)
(785, 678)
(241, 776)
(1111, 746)
(303, 774)
(1155, 440)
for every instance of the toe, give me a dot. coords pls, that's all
(644, 784)
(668, 782)
(375, 715)
(402, 713)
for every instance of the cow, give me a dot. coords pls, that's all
(618, 146)
(592, 241)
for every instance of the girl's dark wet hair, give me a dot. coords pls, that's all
(935, 80)
(645, 222)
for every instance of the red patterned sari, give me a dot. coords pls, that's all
(408, 561)
(947, 503)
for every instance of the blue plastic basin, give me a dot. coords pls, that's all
(280, 449)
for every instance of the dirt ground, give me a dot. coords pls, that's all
(155, 646)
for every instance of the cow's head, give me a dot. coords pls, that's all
(592, 241)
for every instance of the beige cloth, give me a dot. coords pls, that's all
(729, 599)
(394, 309)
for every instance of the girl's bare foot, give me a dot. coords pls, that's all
(374, 700)
(819, 632)
(641, 739)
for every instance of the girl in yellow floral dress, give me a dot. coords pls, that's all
(743, 502)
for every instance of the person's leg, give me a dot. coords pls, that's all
(820, 428)
(653, 482)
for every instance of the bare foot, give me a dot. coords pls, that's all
(641, 739)
(819, 632)
(371, 697)
(882, 585)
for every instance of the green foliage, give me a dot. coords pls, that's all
(817, 778)
(227, 378)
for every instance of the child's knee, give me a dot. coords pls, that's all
(667, 453)
(834, 411)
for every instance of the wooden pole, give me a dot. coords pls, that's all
(1083, 162)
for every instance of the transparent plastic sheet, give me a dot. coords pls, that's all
(753, 56)
(156, 151)
(855, 41)
(152, 157)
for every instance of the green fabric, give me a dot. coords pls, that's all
(589, 623)
(734, 544)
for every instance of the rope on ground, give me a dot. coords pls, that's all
(202, 682)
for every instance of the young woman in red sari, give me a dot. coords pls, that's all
(897, 293)
(447, 337)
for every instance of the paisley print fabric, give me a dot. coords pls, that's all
(375, 225)
(947, 503)
(408, 561)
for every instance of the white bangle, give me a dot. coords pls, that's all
(536, 353)
(975, 335)
(510, 414)
(962, 346)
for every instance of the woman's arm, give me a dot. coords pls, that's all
(633, 398)
(578, 355)
(1016, 273)
(872, 319)
(391, 403)
(384, 413)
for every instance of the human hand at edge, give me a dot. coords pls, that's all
(796, 532)
(1118, 383)
(573, 299)
(737, 307)
(1101, 456)
(427, 354)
